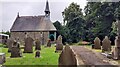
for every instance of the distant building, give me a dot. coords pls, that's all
(37, 27)
(3, 38)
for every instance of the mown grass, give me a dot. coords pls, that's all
(48, 57)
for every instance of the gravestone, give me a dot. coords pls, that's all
(9, 44)
(28, 45)
(2, 58)
(115, 53)
(67, 57)
(37, 54)
(15, 51)
(59, 45)
(49, 43)
(106, 44)
(37, 45)
(116, 50)
(97, 43)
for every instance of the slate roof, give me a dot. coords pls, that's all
(32, 23)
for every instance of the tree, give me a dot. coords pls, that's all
(73, 17)
(99, 17)
(7, 32)
(60, 30)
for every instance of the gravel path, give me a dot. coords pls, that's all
(88, 56)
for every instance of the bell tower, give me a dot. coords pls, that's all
(47, 11)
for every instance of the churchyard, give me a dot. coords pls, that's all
(82, 53)
(92, 39)
(48, 57)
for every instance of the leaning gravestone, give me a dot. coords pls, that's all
(67, 57)
(9, 44)
(106, 44)
(59, 45)
(15, 51)
(37, 45)
(37, 54)
(28, 45)
(97, 43)
(49, 43)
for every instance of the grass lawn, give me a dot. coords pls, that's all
(48, 57)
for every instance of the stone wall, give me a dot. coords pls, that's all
(20, 36)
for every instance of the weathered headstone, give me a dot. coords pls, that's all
(28, 45)
(106, 44)
(97, 43)
(37, 45)
(9, 44)
(49, 43)
(115, 53)
(15, 51)
(59, 45)
(2, 58)
(67, 57)
(116, 50)
(37, 54)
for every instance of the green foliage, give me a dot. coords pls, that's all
(8, 33)
(75, 23)
(114, 28)
(99, 18)
(97, 22)
(61, 30)
(117, 10)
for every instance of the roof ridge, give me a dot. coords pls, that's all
(34, 16)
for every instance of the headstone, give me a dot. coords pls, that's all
(116, 50)
(115, 53)
(2, 58)
(37, 45)
(37, 54)
(106, 44)
(67, 57)
(28, 45)
(15, 51)
(9, 44)
(93, 46)
(59, 45)
(49, 43)
(97, 43)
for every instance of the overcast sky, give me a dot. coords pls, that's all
(10, 8)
